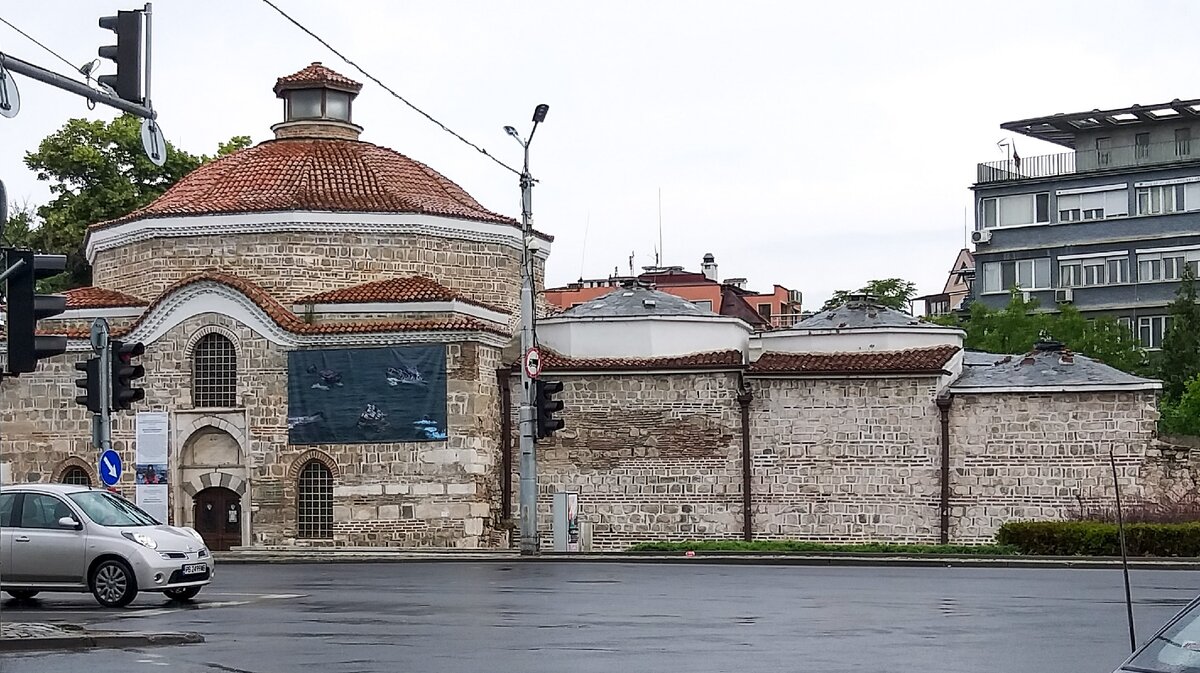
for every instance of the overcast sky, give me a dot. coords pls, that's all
(813, 145)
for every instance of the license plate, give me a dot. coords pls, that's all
(195, 569)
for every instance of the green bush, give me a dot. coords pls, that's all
(1094, 538)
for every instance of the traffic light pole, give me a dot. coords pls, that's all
(102, 422)
(72, 86)
(528, 422)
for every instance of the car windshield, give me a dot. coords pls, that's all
(107, 509)
(1175, 650)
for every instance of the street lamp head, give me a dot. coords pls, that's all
(512, 132)
(539, 113)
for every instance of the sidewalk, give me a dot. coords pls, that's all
(407, 555)
(28, 636)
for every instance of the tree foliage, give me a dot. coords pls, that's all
(98, 171)
(1019, 325)
(891, 292)
(1180, 361)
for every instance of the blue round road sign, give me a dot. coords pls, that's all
(110, 468)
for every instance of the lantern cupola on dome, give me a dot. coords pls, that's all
(317, 104)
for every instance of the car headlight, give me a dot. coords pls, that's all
(194, 533)
(142, 539)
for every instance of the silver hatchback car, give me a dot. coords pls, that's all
(59, 537)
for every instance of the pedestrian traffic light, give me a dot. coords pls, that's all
(124, 373)
(126, 53)
(26, 308)
(545, 406)
(90, 397)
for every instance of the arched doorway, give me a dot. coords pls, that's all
(218, 516)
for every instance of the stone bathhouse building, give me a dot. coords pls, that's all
(860, 423)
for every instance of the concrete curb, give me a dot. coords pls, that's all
(705, 558)
(98, 640)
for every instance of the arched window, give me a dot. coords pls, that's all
(314, 511)
(214, 372)
(77, 476)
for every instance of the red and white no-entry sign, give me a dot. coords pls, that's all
(532, 363)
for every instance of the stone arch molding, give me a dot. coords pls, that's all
(313, 454)
(213, 421)
(60, 470)
(220, 477)
(190, 348)
(232, 478)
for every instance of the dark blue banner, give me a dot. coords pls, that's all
(360, 395)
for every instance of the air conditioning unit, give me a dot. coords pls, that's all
(981, 236)
(1064, 296)
(1026, 296)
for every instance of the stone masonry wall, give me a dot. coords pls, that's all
(1022, 456)
(845, 460)
(292, 265)
(653, 457)
(402, 494)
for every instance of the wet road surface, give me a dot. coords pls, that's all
(528, 617)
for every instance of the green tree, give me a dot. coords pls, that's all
(891, 292)
(1181, 416)
(1180, 361)
(98, 171)
(1019, 325)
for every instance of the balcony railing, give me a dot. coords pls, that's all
(1088, 161)
(786, 320)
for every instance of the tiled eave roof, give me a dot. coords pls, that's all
(290, 321)
(393, 290)
(98, 297)
(925, 361)
(316, 74)
(729, 359)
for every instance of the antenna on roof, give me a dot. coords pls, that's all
(583, 253)
(631, 254)
(966, 229)
(660, 240)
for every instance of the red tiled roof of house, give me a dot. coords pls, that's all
(410, 289)
(914, 361)
(316, 74)
(730, 359)
(98, 297)
(293, 323)
(318, 174)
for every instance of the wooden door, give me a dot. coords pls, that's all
(218, 517)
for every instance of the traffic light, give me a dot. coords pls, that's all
(545, 406)
(26, 308)
(124, 373)
(90, 397)
(127, 54)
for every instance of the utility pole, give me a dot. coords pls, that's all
(102, 421)
(527, 418)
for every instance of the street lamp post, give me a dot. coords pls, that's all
(527, 419)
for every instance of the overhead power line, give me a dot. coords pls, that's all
(385, 87)
(29, 37)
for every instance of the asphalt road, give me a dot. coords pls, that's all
(527, 617)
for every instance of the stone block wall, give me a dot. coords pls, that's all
(652, 456)
(290, 266)
(1025, 456)
(845, 460)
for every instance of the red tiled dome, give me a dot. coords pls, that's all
(321, 174)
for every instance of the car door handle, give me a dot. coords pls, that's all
(23, 538)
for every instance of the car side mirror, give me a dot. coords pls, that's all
(69, 522)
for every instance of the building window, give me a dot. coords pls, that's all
(214, 372)
(1103, 151)
(76, 476)
(1011, 211)
(1152, 330)
(1112, 270)
(765, 310)
(1093, 205)
(1141, 145)
(1160, 199)
(1154, 267)
(314, 493)
(704, 304)
(1183, 142)
(1024, 274)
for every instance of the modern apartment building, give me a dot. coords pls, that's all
(1107, 225)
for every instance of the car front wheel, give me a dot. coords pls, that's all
(182, 593)
(113, 584)
(20, 594)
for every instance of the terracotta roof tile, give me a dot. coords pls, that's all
(410, 289)
(716, 360)
(98, 297)
(915, 361)
(319, 174)
(293, 323)
(316, 74)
